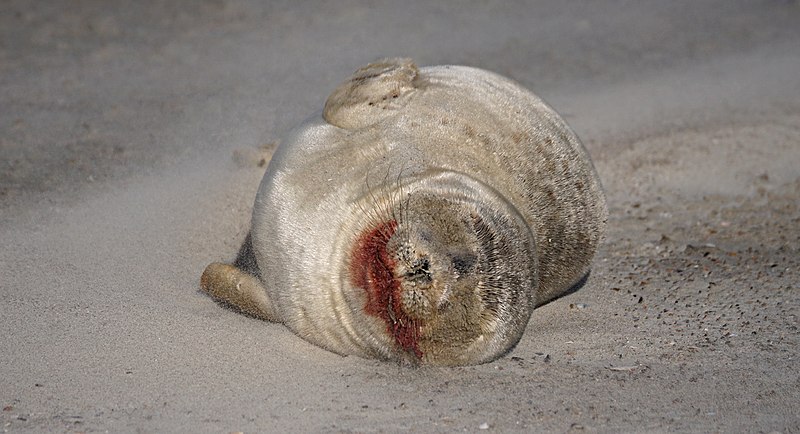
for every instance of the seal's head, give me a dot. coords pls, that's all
(446, 279)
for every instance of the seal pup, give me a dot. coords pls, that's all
(421, 216)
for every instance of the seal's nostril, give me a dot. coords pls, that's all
(420, 271)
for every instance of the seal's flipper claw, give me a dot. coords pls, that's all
(239, 289)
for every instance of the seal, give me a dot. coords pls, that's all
(421, 216)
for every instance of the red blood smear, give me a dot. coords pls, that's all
(371, 269)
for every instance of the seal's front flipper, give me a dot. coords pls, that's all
(239, 289)
(372, 93)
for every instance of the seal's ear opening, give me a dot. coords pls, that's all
(371, 94)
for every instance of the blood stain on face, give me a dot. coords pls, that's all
(371, 269)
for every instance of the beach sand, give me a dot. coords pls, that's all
(131, 147)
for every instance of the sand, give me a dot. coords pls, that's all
(130, 143)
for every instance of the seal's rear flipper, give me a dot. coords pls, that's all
(239, 289)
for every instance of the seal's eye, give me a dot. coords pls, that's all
(463, 263)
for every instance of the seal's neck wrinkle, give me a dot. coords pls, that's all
(372, 269)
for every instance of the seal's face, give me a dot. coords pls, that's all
(436, 277)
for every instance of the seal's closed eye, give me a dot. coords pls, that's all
(463, 263)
